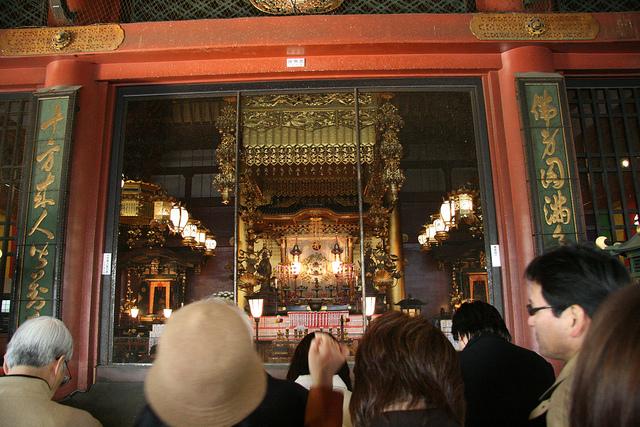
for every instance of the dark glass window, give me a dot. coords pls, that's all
(342, 194)
(14, 121)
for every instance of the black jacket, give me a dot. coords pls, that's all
(417, 418)
(283, 406)
(502, 382)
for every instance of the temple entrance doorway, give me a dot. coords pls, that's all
(311, 210)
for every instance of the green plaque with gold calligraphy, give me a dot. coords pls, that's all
(41, 248)
(552, 177)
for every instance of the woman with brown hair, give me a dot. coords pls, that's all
(406, 374)
(606, 388)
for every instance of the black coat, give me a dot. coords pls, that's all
(502, 382)
(417, 418)
(283, 406)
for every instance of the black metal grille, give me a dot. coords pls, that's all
(606, 125)
(389, 7)
(25, 13)
(581, 5)
(597, 5)
(161, 10)
(15, 116)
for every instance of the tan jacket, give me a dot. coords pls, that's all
(26, 401)
(556, 401)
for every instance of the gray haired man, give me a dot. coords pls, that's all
(35, 366)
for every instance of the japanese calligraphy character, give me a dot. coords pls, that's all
(40, 199)
(542, 108)
(48, 158)
(558, 234)
(554, 174)
(36, 226)
(53, 122)
(42, 254)
(549, 141)
(555, 211)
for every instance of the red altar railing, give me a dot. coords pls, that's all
(316, 319)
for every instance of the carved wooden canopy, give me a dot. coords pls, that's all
(302, 149)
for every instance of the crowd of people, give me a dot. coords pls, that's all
(583, 310)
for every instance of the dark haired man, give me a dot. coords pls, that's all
(502, 381)
(567, 285)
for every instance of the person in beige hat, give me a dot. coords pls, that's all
(206, 371)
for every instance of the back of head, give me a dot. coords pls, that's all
(206, 371)
(475, 318)
(577, 274)
(403, 359)
(299, 364)
(38, 342)
(606, 389)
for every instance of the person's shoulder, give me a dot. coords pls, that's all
(532, 356)
(483, 349)
(286, 387)
(70, 416)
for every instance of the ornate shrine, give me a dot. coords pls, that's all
(299, 214)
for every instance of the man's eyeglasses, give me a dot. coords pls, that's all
(533, 310)
(67, 374)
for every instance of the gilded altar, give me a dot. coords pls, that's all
(304, 161)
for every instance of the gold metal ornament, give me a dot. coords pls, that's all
(46, 41)
(61, 39)
(293, 7)
(525, 26)
(224, 181)
(389, 124)
(536, 26)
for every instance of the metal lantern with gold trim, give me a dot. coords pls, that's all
(179, 216)
(210, 244)
(463, 201)
(441, 228)
(190, 233)
(411, 306)
(296, 266)
(336, 264)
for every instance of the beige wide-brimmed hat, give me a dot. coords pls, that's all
(206, 371)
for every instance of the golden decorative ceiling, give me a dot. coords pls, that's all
(302, 150)
(305, 145)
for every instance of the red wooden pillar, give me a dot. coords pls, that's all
(86, 210)
(514, 204)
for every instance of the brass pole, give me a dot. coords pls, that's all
(242, 245)
(397, 292)
(283, 250)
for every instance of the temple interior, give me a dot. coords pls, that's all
(341, 196)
